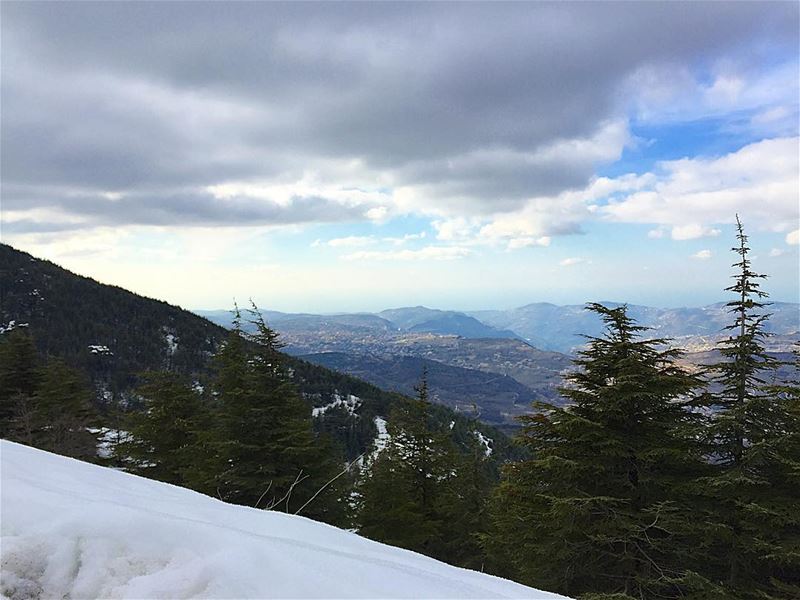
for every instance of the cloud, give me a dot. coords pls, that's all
(351, 241)
(527, 242)
(190, 207)
(284, 114)
(427, 253)
(793, 237)
(702, 255)
(759, 181)
(458, 228)
(762, 97)
(692, 231)
(408, 237)
(569, 262)
(775, 252)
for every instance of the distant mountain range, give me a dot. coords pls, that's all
(492, 363)
(417, 319)
(546, 326)
(560, 328)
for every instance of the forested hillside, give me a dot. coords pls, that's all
(114, 336)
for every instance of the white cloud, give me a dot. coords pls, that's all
(351, 241)
(458, 228)
(569, 262)
(702, 255)
(378, 214)
(655, 234)
(527, 242)
(399, 241)
(692, 231)
(427, 253)
(775, 252)
(759, 182)
(793, 237)
(771, 115)
(669, 93)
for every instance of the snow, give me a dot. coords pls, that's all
(172, 343)
(379, 444)
(350, 404)
(75, 530)
(11, 326)
(99, 349)
(107, 440)
(383, 437)
(487, 443)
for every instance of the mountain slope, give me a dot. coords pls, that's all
(107, 331)
(494, 398)
(75, 530)
(420, 319)
(113, 335)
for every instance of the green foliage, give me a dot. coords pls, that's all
(162, 440)
(62, 413)
(44, 404)
(420, 493)
(19, 377)
(753, 437)
(594, 509)
(262, 450)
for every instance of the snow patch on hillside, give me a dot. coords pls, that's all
(100, 349)
(486, 442)
(383, 437)
(75, 530)
(172, 343)
(350, 404)
(11, 326)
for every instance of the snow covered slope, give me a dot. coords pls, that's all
(75, 530)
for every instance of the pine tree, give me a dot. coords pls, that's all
(19, 378)
(467, 511)
(264, 444)
(785, 577)
(47, 405)
(593, 510)
(755, 488)
(62, 414)
(407, 497)
(163, 438)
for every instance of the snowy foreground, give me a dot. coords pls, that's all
(75, 530)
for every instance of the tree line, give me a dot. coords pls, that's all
(653, 480)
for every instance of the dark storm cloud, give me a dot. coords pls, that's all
(186, 208)
(146, 98)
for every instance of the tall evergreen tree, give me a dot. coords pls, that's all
(411, 494)
(162, 439)
(592, 511)
(755, 488)
(468, 514)
(264, 446)
(44, 404)
(62, 413)
(19, 378)
(785, 578)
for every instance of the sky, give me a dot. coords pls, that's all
(359, 156)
